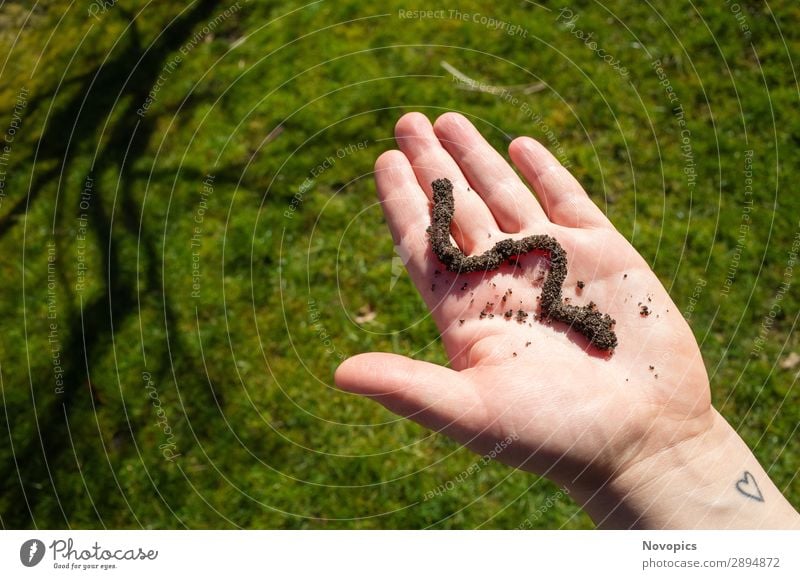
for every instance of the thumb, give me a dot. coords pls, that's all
(436, 397)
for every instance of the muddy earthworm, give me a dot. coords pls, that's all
(586, 320)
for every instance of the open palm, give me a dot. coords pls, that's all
(575, 413)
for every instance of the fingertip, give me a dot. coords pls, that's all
(526, 146)
(367, 373)
(396, 180)
(450, 120)
(345, 374)
(517, 145)
(410, 124)
(390, 160)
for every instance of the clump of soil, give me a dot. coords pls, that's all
(586, 320)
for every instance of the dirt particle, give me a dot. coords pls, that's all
(465, 286)
(514, 354)
(580, 284)
(652, 367)
(460, 322)
(625, 276)
(644, 311)
(527, 344)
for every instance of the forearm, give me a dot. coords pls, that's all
(710, 481)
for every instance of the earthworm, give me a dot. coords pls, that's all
(586, 320)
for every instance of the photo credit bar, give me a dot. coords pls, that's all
(354, 554)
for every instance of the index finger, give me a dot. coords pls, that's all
(407, 211)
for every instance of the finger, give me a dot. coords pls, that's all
(508, 198)
(436, 397)
(473, 223)
(407, 212)
(560, 194)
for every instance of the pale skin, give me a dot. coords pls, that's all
(636, 447)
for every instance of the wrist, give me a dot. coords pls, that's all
(708, 479)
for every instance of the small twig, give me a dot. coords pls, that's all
(274, 134)
(474, 85)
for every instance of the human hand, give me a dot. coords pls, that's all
(579, 416)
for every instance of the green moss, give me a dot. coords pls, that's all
(244, 368)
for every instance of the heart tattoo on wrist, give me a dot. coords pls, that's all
(748, 486)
